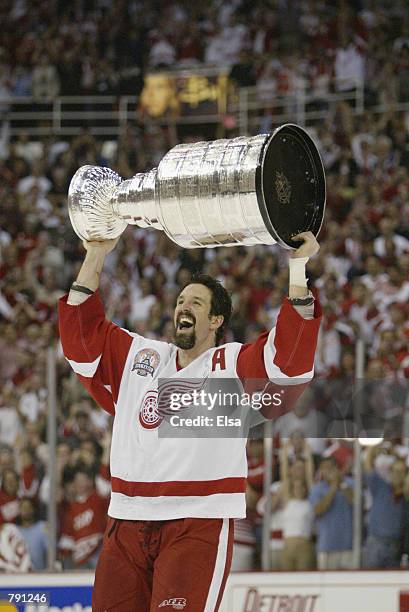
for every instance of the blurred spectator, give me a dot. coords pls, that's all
(7, 459)
(45, 82)
(35, 534)
(21, 81)
(306, 420)
(225, 46)
(342, 452)
(83, 523)
(10, 422)
(388, 231)
(331, 499)
(276, 525)
(297, 519)
(349, 65)
(9, 500)
(79, 425)
(142, 300)
(14, 553)
(299, 469)
(32, 401)
(383, 546)
(161, 54)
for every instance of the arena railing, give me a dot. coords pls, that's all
(249, 110)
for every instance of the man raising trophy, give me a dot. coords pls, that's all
(169, 538)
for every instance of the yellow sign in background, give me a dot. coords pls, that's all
(186, 93)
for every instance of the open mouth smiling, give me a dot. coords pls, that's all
(185, 322)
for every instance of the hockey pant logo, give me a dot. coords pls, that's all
(177, 603)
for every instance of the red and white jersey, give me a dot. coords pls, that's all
(14, 554)
(158, 478)
(82, 527)
(9, 507)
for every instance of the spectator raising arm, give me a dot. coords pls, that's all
(369, 460)
(324, 504)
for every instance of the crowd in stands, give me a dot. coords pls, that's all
(361, 274)
(50, 48)
(312, 507)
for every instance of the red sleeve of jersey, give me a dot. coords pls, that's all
(295, 340)
(95, 348)
(285, 357)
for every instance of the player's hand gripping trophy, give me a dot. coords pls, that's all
(262, 189)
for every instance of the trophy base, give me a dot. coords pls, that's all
(291, 185)
(91, 196)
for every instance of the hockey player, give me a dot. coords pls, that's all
(168, 542)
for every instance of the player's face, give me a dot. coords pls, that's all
(192, 319)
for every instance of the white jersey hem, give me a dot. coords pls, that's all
(164, 508)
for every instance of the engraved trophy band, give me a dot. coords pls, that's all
(261, 189)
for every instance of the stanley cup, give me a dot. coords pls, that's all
(244, 191)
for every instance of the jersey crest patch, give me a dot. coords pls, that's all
(146, 362)
(149, 416)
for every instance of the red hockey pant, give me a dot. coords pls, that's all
(162, 566)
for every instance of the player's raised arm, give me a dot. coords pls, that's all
(88, 277)
(95, 348)
(298, 261)
(285, 355)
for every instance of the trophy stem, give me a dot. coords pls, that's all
(134, 201)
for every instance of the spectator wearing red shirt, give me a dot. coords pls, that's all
(83, 523)
(9, 501)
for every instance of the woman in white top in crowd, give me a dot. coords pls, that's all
(297, 513)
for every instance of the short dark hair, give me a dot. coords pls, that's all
(82, 468)
(220, 302)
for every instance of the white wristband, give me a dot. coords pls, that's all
(75, 298)
(297, 271)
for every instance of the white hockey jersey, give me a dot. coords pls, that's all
(157, 478)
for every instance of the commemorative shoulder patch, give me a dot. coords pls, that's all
(146, 361)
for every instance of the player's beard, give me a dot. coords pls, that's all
(184, 340)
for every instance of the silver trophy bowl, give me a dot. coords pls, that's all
(244, 191)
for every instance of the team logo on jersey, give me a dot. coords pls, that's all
(177, 603)
(149, 416)
(146, 362)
